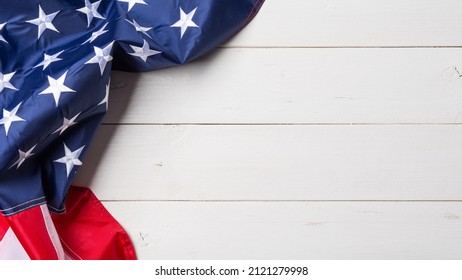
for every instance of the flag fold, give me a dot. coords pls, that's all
(55, 64)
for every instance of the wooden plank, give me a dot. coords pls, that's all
(287, 162)
(297, 86)
(287, 230)
(313, 23)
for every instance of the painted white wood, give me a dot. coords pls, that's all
(288, 23)
(225, 179)
(288, 230)
(286, 162)
(297, 86)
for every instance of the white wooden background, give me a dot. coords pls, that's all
(327, 129)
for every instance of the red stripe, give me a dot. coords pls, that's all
(87, 230)
(3, 227)
(32, 233)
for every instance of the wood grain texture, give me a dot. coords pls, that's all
(203, 162)
(320, 23)
(249, 153)
(283, 230)
(297, 86)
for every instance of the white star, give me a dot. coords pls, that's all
(96, 34)
(5, 81)
(102, 57)
(48, 59)
(140, 28)
(22, 157)
(132, 3)
(70, 159)
(106, 98)
(44, 22)
(1, 37)
(56, 87)
(66, 124)
(185, 21)
(144, 51)
(10, 117)
(91, 10)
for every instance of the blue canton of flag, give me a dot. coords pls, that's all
(55, 64)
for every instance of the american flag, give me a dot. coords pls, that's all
(55, 64)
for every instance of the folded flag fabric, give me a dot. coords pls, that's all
(56, 58)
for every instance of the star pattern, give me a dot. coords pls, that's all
(132, 3)
(185, 21)
(106, 98)
(48, 59)
(96, 34)
(140, 28)
(102, 57)
(57, 87)
(64, 44)
(70, 158)
(1, 37)
(143, 52)
(23, 156)
(5, 81)
(10, 117)
(66, 124)
(44, 22)
(91, 10)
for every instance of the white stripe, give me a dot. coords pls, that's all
(52, 232)
(67, 257)
(68, 248)
(11, 248)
